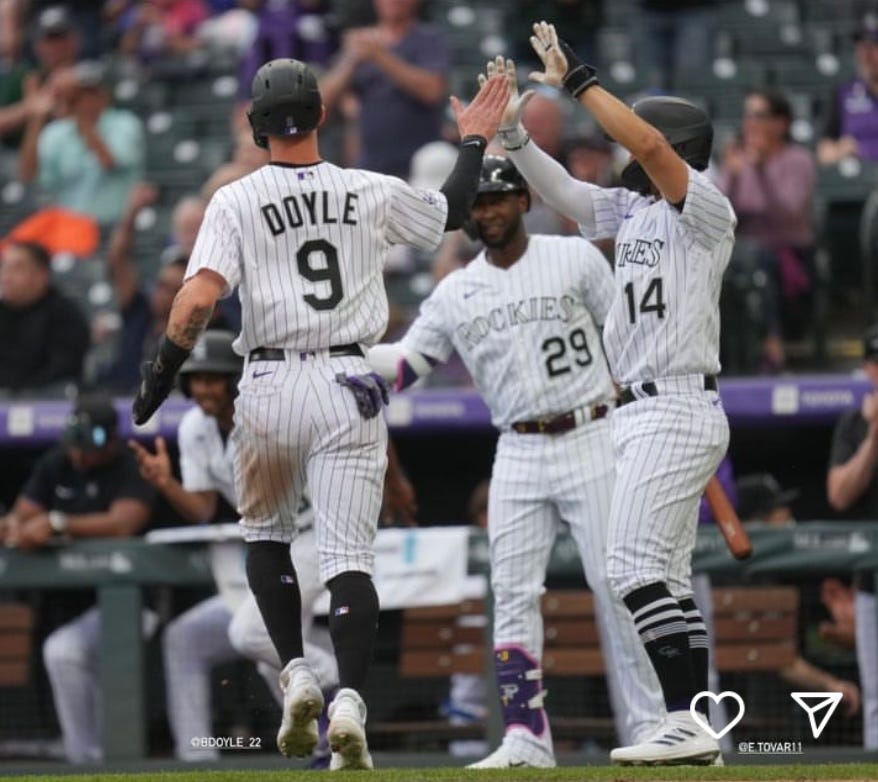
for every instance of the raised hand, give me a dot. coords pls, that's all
(482, 116)
(547, 47)
(155, 468)
(516, 103)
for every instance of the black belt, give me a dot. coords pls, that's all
(279, 354)
(649, 388)
(559, 423)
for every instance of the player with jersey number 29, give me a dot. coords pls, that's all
(674, 232)
(524, 316)
(305, 242)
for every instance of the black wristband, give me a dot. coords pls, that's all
(474, 140)
(463, 182)
(169, 359)
(580, 76)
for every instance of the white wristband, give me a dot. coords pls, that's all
(58, 521)
(513, 138)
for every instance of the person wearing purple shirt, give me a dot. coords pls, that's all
(397, 71)
(771, 182)
(852, 124)
(287, 28)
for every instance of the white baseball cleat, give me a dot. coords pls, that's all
(303, 702)
(347, 732)
(679, 741)
(516, 750)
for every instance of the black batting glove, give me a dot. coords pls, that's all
(369, 390)
(157, 380)
(580, 76)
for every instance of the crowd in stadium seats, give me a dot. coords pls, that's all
(98, 97)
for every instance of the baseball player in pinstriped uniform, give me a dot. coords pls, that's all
(215, 631)
(674, 233)
(524, 317)
(305, 242)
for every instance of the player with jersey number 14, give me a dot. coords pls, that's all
(524, 316)
(674, 232)
(305, 242)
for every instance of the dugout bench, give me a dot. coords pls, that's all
(16, 632)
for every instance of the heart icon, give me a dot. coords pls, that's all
(699, 718)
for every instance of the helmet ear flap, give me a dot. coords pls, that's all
(260, 140)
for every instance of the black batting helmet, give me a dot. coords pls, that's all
(212, 354)
(285, 100)
(499, 175)
(686, 127)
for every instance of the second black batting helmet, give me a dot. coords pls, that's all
(285, 100)
(213, 355)
(499, 175)
(686, 127)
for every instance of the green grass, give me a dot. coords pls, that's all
(783, 773)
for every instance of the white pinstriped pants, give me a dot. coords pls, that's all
(71, 655)
(209, 634)
(295, 425)
(867, 662)
(666, 448)
(537, 482)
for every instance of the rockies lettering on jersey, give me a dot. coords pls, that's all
(527, 334)
(646, 252)
(515, 314)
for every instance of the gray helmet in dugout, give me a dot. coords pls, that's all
(212, 354)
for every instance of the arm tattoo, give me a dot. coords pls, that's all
(186, 334)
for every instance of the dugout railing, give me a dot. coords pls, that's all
(121, 569)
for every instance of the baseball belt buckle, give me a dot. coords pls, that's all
(541, 425)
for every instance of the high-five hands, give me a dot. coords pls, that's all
(482, 116)
(547, 47)
(516, 103)
(562, 67)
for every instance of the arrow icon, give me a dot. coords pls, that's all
(819, 700)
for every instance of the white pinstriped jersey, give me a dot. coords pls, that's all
(527, 334)
(205, 460)
(306, 245)
(664, 320)
(207, 463)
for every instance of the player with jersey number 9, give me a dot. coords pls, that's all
(305, 323)
(674, 232)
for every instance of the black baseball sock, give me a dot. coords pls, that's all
(698, 648)
(353, 623)
(272, 579)
(662, 627)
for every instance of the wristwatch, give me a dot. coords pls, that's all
(58, 521)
